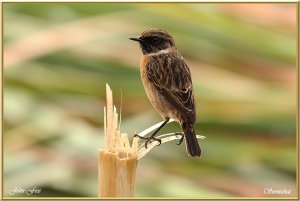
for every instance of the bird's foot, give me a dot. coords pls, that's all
(181, 139)
(148, 139)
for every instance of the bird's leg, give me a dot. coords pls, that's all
(181, 134)
(152, 136)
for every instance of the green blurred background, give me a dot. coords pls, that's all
(58, 57)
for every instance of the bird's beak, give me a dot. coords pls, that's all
(136, 39)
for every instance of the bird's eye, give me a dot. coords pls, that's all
(156, 40)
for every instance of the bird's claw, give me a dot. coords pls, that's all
(141, 137)
(181, 139)
(148, 139)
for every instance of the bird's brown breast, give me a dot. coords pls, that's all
(151, 92)
(144, 61)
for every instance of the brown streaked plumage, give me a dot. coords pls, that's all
(168, 84)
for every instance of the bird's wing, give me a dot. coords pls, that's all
(171, 77)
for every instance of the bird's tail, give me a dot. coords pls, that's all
(192, 146)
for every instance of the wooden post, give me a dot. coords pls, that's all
(118, 161)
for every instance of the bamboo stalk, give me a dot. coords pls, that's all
(118, 161)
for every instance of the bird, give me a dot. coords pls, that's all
(168, 84)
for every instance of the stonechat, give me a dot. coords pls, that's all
(167, 81)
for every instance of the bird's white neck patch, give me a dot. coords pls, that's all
(165, 51)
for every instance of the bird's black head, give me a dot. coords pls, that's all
(154, 40)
